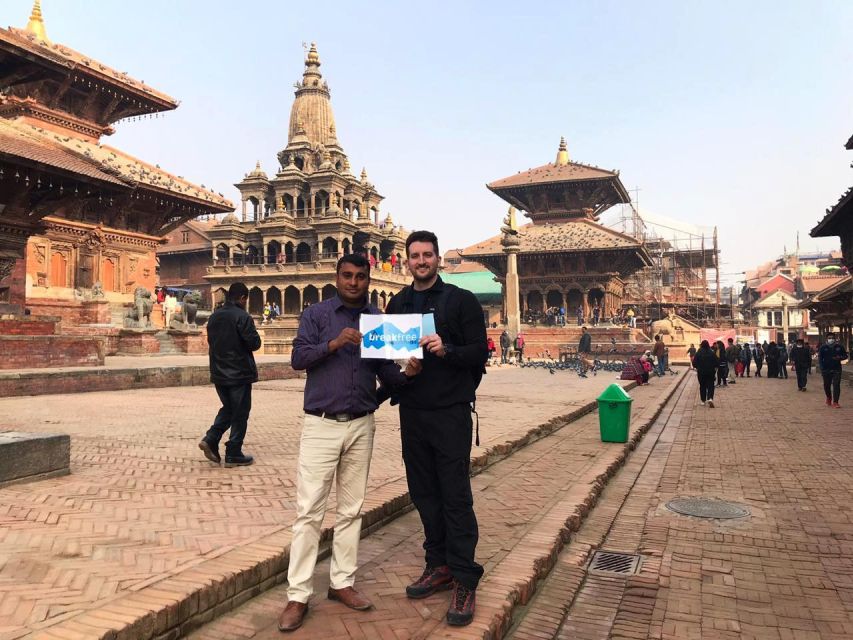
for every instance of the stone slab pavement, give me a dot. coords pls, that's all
(785, 572)
(143, 520)
(525, 505)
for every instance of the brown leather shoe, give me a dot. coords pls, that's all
(351, 598)
(292, 616)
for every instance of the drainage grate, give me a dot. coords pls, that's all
(612, 562)
(707, 508)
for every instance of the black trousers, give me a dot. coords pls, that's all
(504, 355)
(832, 384)
(706, 386)
(723, 375)
(437, 455)
(758, 365)
(234, 414)
(783, 370)
(802, 376)
(747, 367)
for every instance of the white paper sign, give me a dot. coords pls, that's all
(392, 337)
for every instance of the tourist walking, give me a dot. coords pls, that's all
(231, 339)
(722, 364)
(830, 358)
(659, 352)
(783, 361)
(505, 344)
(337, 436)
(746, 359)
(596, 314)
(801, 358)
(691, 353)
(436, 428)
(758, 356)
(732, 357)
(772, 355)
(519, 347)
(707, 365)
(579, 314)
(585, 348)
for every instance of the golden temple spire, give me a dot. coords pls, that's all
(563, 153)
(36, 23)
(313, 56)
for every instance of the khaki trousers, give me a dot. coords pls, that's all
(327, 449)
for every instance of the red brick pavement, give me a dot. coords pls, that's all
(783, 573)
(525, 505)
(145, 533)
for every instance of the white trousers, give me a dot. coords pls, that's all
(327, 449)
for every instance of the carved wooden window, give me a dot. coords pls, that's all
(185, 237)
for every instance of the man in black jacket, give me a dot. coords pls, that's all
(231, 337)
(801, 356)
(436, 427)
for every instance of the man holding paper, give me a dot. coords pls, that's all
(337, 436)
(436, 426)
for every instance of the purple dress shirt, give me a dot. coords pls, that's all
(339, 382)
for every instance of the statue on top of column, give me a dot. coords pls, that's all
(509, 229)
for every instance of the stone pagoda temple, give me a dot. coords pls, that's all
(295, 225)
(565, 258)
(79, 220)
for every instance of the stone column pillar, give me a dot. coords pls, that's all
(301, 302)
(784, 321)
(213, 254)
(586, 305)
(263, 252)
(230, 255)
(313, 204)
(511, 293)
(244, 210)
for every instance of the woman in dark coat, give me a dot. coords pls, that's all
(707, 365)
(722, 364)
(758, 356)
(772, 360)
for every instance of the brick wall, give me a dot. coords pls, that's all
(30, 352)
(122, 379)
(28, 326)
(71, 312)
(192, 343)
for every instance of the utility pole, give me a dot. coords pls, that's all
(717, 270)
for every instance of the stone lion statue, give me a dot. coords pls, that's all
(139, 316)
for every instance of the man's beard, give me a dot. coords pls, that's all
(425, 278)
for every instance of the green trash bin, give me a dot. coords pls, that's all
(614, 414)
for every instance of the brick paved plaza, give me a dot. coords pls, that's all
(143, 506)
(142, 516)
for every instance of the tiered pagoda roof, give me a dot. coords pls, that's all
(58, 103)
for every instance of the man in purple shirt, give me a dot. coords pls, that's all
(337, 436)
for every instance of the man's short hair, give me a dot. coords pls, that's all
(422, 236)
(356, 260)
(237, 290)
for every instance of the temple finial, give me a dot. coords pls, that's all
(313, 56)
(36, 23)
(562, 153)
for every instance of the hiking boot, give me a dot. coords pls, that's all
(462, 603)
(238, 460)
(433, 579)
(210, 450)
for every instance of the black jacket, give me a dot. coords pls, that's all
(801, 357)
(505, 341)
(585, 344)
(231, 337)
(705, 362)
(446, 381)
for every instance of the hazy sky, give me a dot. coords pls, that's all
(722, 113)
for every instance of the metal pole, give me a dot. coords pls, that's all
(717, 271)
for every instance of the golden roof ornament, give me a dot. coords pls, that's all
(364, 175)
(313, 56)
(562, 153)
(36, 24)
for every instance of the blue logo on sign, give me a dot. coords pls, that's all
(388, 334)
